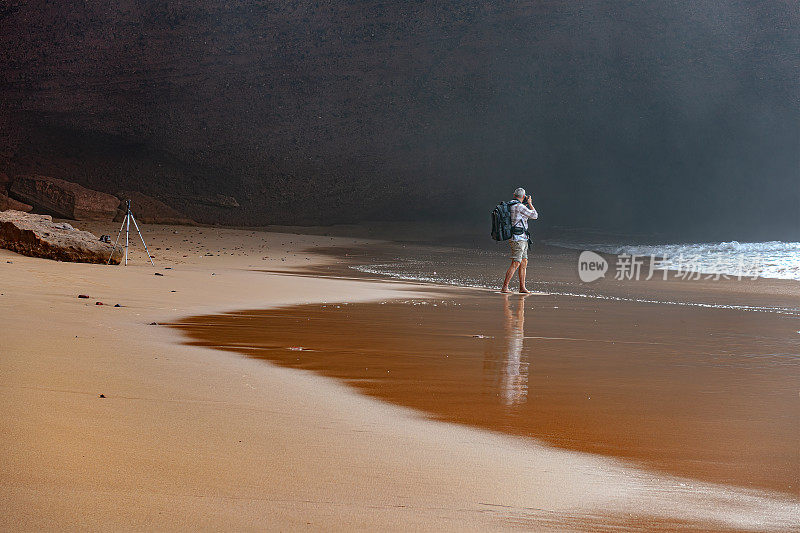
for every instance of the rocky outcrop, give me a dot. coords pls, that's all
(7, 203)
(149, 210)
(38, 236)
(410, 110)
(64, 198)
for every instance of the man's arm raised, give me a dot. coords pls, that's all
(531, 211)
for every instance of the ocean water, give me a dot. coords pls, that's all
(483, 269)
(772, 259)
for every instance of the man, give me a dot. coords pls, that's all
(520, 214)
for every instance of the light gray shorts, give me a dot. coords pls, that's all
(519, 250)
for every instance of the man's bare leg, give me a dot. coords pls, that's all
(522, 271)
(509, 275)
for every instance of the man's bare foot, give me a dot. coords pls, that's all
(505, 290)
(523, 290)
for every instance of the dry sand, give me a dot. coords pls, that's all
(196, 438)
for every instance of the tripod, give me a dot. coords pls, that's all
(126, 223)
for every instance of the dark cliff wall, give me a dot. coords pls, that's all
(619, 115)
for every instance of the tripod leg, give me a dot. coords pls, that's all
(115, 242)
(127, 228)
(141, 237)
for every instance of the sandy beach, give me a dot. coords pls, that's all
(193, 437)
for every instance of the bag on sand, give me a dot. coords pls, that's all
(502, 229)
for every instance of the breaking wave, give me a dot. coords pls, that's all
(772, 259)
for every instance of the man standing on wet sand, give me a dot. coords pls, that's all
(520, 214)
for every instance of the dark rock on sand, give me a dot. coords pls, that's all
(149, 210)
(64, 198)
(84, 296)
(38, 236)
(7, 203)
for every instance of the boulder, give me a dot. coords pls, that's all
(64, 198)
(148, 210)
(5, 181)
(39, 236)
(9, 203)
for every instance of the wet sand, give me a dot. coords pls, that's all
(709, 394)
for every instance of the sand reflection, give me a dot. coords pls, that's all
(710, 394)
(508, 367)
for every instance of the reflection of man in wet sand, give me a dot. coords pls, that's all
(514, 377)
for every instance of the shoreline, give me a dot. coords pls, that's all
(603, 387)
(558, 276)
(162, 450)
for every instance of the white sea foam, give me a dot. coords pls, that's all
(479, 268)
(773, 259)
(397, 271)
